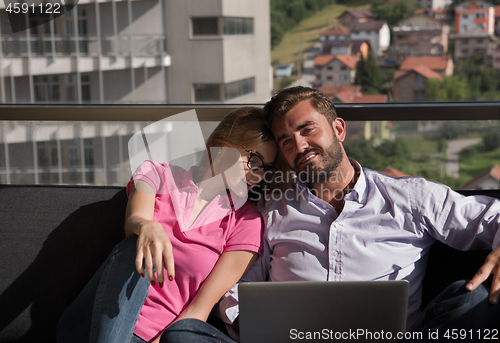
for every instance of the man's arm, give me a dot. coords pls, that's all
(464, 223)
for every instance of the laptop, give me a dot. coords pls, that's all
(360, 311)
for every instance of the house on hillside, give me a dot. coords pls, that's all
(425, 33)
(487, 179)
(443, 65)
(338, 32)
(474, 42)
(434, 4)
(497, 19)
(359, 48)
(410, 84)
(377, 32)
(393, 172)
(475, 15)
(419, 41)
(337, 70)
(331, 90)
(351, 16)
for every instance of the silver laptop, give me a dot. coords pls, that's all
(320, 311)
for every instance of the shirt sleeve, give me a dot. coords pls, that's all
(462, 222)
(246, 233)
(150, 172)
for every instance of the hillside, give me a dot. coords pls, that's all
(306, 34)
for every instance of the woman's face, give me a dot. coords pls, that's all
(249, 171)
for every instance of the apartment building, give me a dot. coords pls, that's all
(420, 41)
(142, 51)
(339, 70)
(474, 42)
(124, 52)
(475, 15)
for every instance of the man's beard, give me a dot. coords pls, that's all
(321, 172)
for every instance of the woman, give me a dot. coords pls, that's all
(189, 217)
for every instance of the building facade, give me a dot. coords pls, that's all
(339, 70)
(475, 15)
(145, 51)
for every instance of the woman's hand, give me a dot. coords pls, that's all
(153, 243)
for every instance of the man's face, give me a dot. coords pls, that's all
(309, 143)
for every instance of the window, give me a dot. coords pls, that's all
(215, 26)
(237, 26)
(479, 41)
(205, 26)
(343, 68)
(329, 78)
(465, 41)
(480, 15)
(239, 88)
(329, 68)
(55, 88)
(206, 92)
(465, 16)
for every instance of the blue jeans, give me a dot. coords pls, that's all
(459, 309)
(193, 331)
(108, 307)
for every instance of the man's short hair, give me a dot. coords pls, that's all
(286, 99)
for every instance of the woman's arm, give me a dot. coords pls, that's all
(153, 242)
(232, 265)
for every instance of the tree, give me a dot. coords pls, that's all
(368, 75)
(453, 88)
(395, 11)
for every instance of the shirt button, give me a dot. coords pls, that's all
(325, 206)
(336, 225)
(335, 253)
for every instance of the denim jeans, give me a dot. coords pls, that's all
(108, 307)
(193, 331)
(457, 311)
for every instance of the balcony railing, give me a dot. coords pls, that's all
(87, 46)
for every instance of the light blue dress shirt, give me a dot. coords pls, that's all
(384, 232)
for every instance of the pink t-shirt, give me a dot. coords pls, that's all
(197, 249)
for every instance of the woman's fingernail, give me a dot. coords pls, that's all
(171, 278)
(161, 284)
(142, 274)
(153, 283)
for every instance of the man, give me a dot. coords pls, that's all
(342, 222)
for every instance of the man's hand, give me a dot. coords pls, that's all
(153, 244)
(490, 266)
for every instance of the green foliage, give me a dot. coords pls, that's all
(378, 158)
(491, 141)
(286, 81)
(395, 11)
(453, 88)
(369, 76)
(480, 75)
(286, 14)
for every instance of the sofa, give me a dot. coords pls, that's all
(53, 239)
